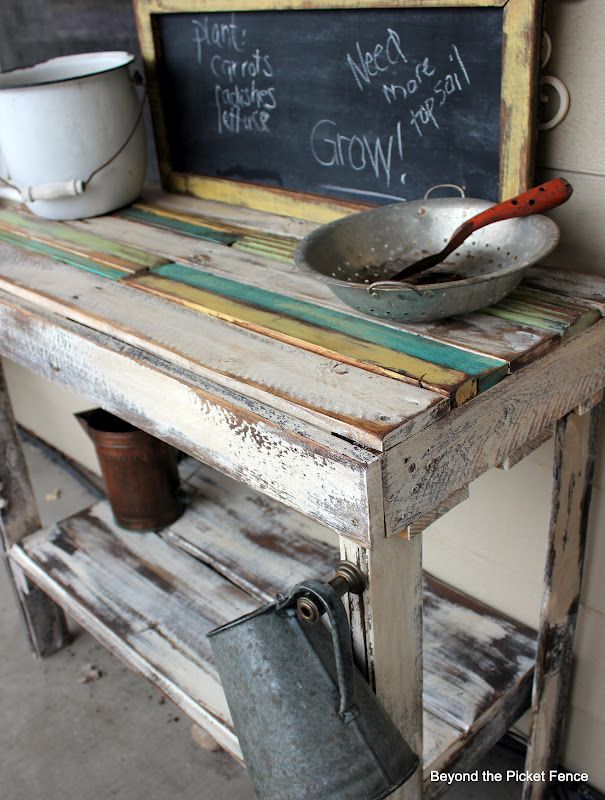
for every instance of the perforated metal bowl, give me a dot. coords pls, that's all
(347, 255)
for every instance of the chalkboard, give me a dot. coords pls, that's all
(366, 105)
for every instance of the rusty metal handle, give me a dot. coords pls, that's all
(535, 201)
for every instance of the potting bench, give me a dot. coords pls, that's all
(320, 432)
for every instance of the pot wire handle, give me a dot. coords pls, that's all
(330, 600)
(430, 190)
(137, 80)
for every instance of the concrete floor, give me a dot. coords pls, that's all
(114, 737)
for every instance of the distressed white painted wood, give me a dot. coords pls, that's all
(334, 479)
(590, 402)
(490, 336)
(223, 212)
(480, 435)
(152, 606)
(386, 623)
(367, 408)
(582, 288)
(423, 522)
(44, 621)
(275, 434)
(575, 450)
(513, 458)
(481, 333)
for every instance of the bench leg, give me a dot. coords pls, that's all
(387, 635)
(575, 446)
(44, 620)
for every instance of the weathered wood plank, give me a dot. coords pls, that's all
(420, 524)
(44, 621)
(575, 449)
(480, 333)
(257, 543)
(538, 310)
(334, 479)
(486, 732)
(241, 216)
(457, 385)
(149, 653)
(487, 370)
(503, 653)
(80, 242)
(386, 624)
(63, 254)
(522, 452)
(370, 409)
(152, 605)
(577, 286)
(423, 471)
(512, 342)
(189, 227)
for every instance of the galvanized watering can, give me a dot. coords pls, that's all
(309, 726)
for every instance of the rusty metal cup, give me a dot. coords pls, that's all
(139, 471)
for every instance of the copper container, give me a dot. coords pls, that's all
(139, 471)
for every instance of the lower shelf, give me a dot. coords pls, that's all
(151, 603)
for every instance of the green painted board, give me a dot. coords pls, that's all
(180, 226)
(486, 369)
(62, 255)
(23, 223)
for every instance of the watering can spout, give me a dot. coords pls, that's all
(308, 724)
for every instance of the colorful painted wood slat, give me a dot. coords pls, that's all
(538, 313)
(580, 288)
(77, 241)
(64, 256)
(397, 353)
(198, 231)
(250, 244)
(579, 316)
(514, 343)
(241, 227)
(280, 248)
(541, 310)
(402, 341)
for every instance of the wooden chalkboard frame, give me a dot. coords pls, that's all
(522, 33)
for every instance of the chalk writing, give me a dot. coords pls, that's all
(356, 150)
(371, 63)
(378, 101)
(242, 103)
(422, 87)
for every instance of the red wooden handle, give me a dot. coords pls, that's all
(537, 200)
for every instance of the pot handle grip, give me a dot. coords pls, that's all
(330, 600)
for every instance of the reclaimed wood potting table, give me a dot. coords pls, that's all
(319, 431)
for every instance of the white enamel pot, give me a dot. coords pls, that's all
(72, 140)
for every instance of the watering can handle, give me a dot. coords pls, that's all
(329, 598)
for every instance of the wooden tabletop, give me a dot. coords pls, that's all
(190, 318)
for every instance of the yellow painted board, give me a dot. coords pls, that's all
(457, 385)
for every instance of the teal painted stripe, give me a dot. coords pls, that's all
(265, 252)
(530, 320)
(102, 270)
(488, 370)
(178, 225)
